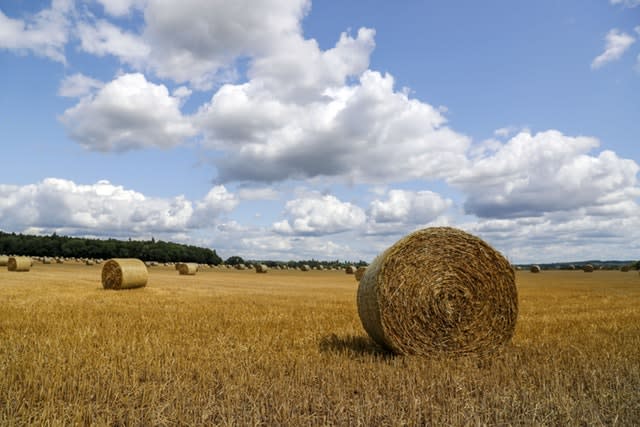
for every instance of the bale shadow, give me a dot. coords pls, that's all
(352, 345)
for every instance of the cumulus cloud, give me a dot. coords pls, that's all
(78, 85)
(105, 209)
(120, 7)
(128, 113)
(103, 38)
(319, 215)
(366, 133)
(617, 43)
(408, 207)
(547, 172)
(45, 33)
(196, 40)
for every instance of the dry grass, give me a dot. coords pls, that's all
(287, 348)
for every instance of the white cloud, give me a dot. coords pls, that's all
(617, 43)
(547, 172)
(128, 113)
(103, 38)
(264, 193)
(45, 33)
(626, 3)
(198, 40)
(119, 7)
(105, 209)
(319, 215)
(363, 133)
(408, 207)
(78, 85)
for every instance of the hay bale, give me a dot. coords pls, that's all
(625, 268)
(187, 268)
(305, 267)
(89, 262)
(535, 269)
(588, 268)
(46, 260)
(261, 268)
(124, 273)
(439, 291)
(360, 273)
(59, 261)
(4, 260)
(350, 269)
(19, 263)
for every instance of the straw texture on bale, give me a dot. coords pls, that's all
(261, 268)
(535, 269)
(19, 263)
(439, 291)
(124, 273)
(187, 268)
(360, 272)
(588, 268)
(4, 260)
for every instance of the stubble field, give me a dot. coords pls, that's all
(287, 348)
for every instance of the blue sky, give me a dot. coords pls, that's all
(291, 129)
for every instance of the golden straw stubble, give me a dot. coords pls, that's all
(124, 273)
(439, 290)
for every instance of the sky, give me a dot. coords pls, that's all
(292, 129)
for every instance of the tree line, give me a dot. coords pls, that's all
(75, 247)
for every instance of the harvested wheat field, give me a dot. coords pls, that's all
(287, 348)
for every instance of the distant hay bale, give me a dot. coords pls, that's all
(305, 267)
(19, 263)
(261, 268)
(124, 273)
(89, 262)
(350, 269)
(625, 268)
(46, 260)
(187, 268)
(240, 267)
(439, 291)
(588, 268)
(572, 267)
(4, 260)
(360, 273)
(535, 269)
(59, 261)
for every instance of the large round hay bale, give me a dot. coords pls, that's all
(124, 273)
(187, 268)
(350, 269)
(305, 267)
(261, 268)
(588, 268)
(19, 263)
(535, 269)
(360, 273)
(439, 291)
(4, 260)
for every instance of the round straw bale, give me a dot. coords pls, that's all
(360, 272)
(4, 260)
(46, 260)
(124, 273)
(588, 268)
(350, 269)
(535, 269)
(188, 268)
(89, 262)
(305, 267)
(439, 291)
(19, 263)
(261, 268)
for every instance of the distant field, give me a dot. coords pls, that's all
(287, 348)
